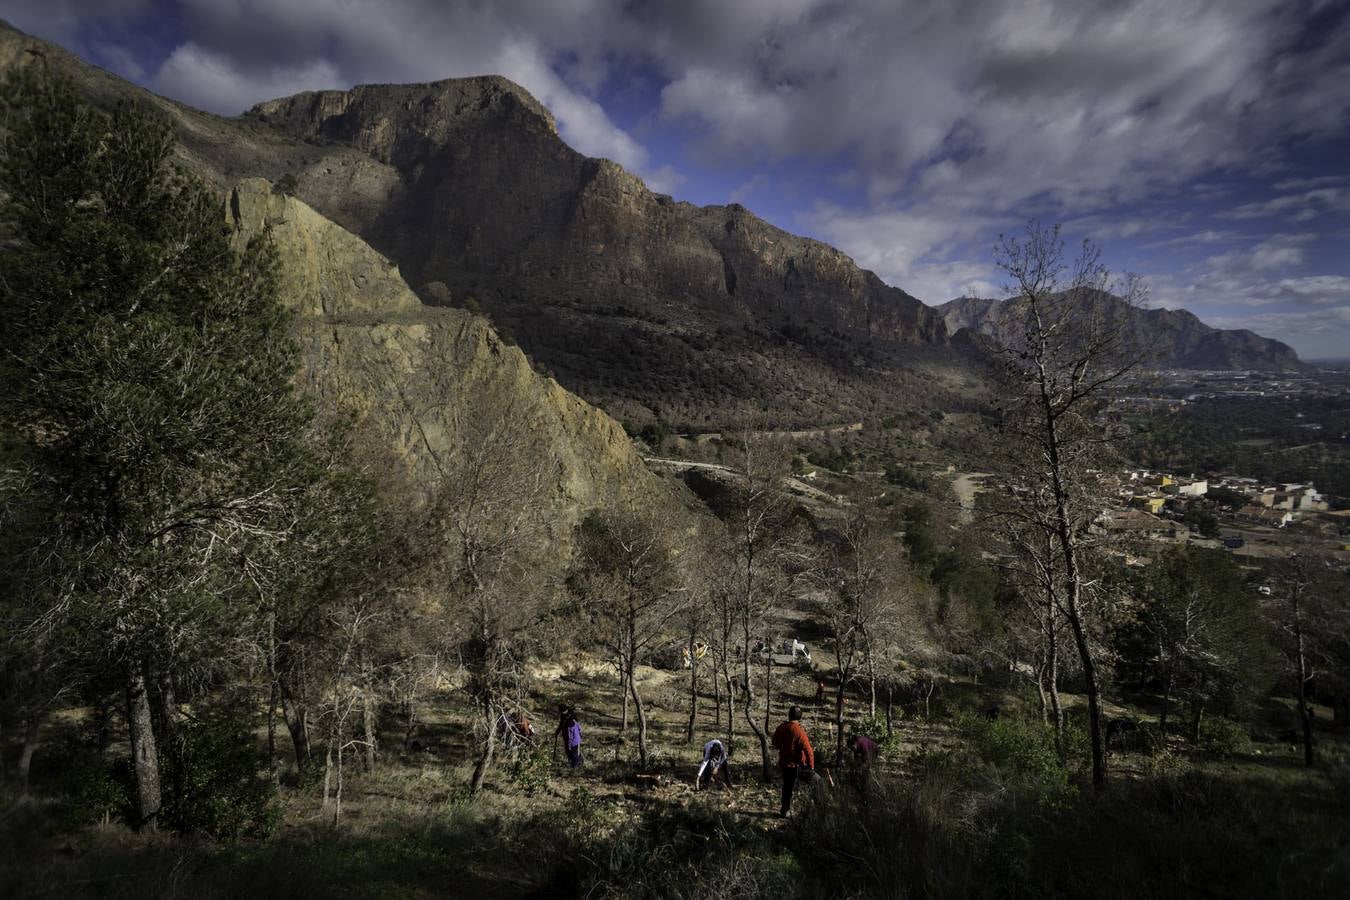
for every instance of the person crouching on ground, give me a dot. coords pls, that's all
(796, 759)
(714, 761)
(864, 750)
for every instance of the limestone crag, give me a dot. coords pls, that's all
(409, 372)
(587, 267)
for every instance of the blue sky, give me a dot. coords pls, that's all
(1205, 145)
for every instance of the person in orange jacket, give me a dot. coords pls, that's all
(796, 758)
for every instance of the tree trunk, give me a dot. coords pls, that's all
(485, 754)
(337, 797)
(296, 715)
(328, 775)
(1301, 660)
(693, 693)
(641, 712)
(144, 754)
(768, 694)
(297, 723)
(1197, 715)
(731, 707)
(839, 721)
(32, 728)
(1096, 734)
(1042, 697)
(624, 688)
(717, 678)
(1073, 582)
(368, 711)
(170, 736)
(890, 705)
(1166, 704)
(1052, 675)
(749, 707)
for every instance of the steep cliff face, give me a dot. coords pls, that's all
(643, 304)
(1176, 338)
(409, 372)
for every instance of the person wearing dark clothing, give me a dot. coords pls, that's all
(714, 761)
(864, 750)
(796, 758)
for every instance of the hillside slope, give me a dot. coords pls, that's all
(409, 373)
(1179, 339)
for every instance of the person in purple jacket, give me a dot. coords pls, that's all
(570, 729)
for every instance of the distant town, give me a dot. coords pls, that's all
(1241, 514)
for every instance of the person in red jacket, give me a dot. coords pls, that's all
(796, 759)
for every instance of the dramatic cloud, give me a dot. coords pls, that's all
(211, 80)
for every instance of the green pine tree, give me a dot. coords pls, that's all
(146, 397)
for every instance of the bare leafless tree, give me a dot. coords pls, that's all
(1073, 343)
(494, 510)
(861, 600)
(629, 576)
(758, 537)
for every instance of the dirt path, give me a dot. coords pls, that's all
(966, 486)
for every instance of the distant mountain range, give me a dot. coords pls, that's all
(645, 306)
(1176, 339)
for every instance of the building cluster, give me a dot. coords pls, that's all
(1146, 497)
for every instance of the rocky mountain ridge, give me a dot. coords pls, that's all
(1178, 339)
(586, 267)
(648, 307)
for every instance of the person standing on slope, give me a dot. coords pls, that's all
(796, 758)
(570, 729)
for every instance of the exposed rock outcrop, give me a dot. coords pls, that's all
(408, 371)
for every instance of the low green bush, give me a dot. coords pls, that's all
(1222, 737)
(217, 780)
(529, 768)
(1021, 748)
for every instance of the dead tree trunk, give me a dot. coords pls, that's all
(144, 753)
